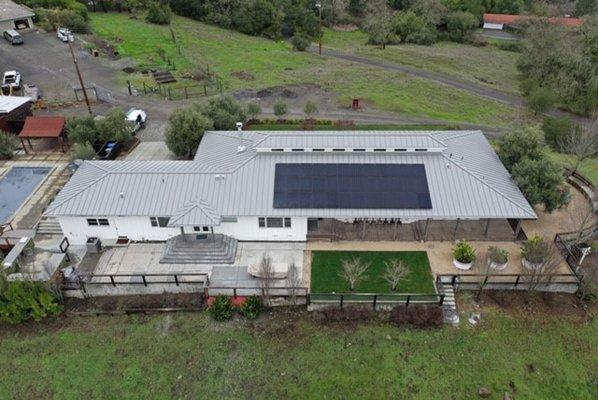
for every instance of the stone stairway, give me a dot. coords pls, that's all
(214, 250)
(48, 226)
(449, 306)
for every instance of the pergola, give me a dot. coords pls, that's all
(43, 128)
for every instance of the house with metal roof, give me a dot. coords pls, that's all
(15, 16)
(289, 186)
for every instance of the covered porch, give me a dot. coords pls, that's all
(389, 229)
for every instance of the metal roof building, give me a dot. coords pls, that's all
(234, 173)
(15, 16)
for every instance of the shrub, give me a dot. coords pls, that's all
(310, 108)
(158, 13)
(464, 252)
(541, 182)
(300, 42)
(221, 309)
(460, 24)
(253, 110)
(24, 300)
(252, 307)
(280, 108)
(8, 144)
(52, 19)
(540, 99)
(510, 45)
(556, 129)
(417, 317)
(83, 151)
(535, 250)
(224, 112)
(412, 28)
(82, 130)
(498, 255)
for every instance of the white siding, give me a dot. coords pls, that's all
(139, 229)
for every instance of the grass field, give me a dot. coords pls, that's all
(588, 168)
(275, 63)
(294, 357)
(327, 265)
(488, 65)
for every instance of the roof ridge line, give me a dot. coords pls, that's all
(486, 184)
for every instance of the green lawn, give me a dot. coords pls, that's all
(326, 267)
(275, 63)
(487, 66)
(182, 356)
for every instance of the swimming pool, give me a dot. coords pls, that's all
(16, 186)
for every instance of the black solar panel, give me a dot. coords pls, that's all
(351, 186)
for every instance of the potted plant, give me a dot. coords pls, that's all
(463, 255)
(534, 253)
(498, 258)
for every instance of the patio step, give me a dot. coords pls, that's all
(217, 249)
(49, 226)
(449, 305)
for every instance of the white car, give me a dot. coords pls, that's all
(11, 79)
(63, 34)
(137, 116)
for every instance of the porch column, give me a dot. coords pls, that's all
(426, 229)
(517, 229)
(487, 226)
(456, 227)
(24, 146)
(396, 228)
(363, 229)
(183, 234)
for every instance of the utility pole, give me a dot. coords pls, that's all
(71, 40)
(319, 5)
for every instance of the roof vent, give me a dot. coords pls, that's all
(122, 195)
(219, 177)
(241, 149)
(240, 126)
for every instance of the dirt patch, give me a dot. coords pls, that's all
(122, 303)
(295, 96)
(199, 74)
(105, 47)
(522, 304)
(243, 75)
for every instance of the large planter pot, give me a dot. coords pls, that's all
(530, 265)
(463, 266)
(497, 266)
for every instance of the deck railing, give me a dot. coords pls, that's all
(115, 280)
(375, 299)
(509, 281)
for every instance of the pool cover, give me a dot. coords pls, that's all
(16, 186)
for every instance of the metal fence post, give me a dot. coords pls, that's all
(176, 280)
(342, 300)
(375, 300)
(408, 300)
(169, 94)
(441, 302)
(186, 95)
(112, 280)
(144, 281)
(517, 280)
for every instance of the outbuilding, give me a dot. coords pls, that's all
(15, 16)
(13, 111)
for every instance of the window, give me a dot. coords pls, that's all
(98, 222)
(358, 149)
(274, 222)
(229, 219)
(161, 222)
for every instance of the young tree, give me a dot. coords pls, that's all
(527, 142)
(225, 112)
(543, 272)
(185, 130)
(460, 25)
(353, 271)
(294, 279)
(540, 99)
(541, 182)
(82, 130)
(158, 13)
(582, 143)
(280, 108)
(310, 108)
(395, 272)
(409, 27)
(266, 275)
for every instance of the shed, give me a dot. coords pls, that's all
(13, 111)
(43, 128)
(15, 16)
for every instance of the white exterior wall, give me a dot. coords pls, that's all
(246, 228)
(140, 229)
(135, 228)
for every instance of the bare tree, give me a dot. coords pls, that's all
(583, 220)
(581, 142)
(543, 272)
(294, 279)
(485, 257)
(353, 271)
(266, 275)
(396, 271)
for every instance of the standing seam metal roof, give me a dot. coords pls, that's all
(228, 177)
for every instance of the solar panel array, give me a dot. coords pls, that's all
(356, 186)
